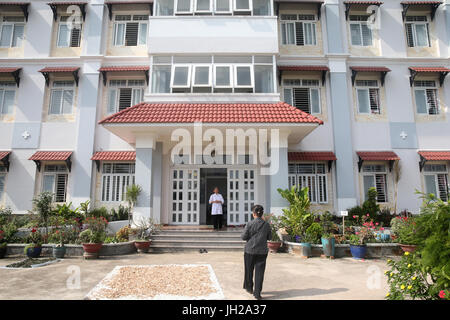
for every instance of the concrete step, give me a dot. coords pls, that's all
(192, 248)
(189, 237)
(201, 232)
(200, 243)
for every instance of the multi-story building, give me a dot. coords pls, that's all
(96, 95)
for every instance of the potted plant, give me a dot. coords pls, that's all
(92, 238)
(328, 240)
(145, 228)
(366, 232)
(33, 250)
(275, 242)
(406, 232)
(131, 196)
(311, 235)
(59, 250)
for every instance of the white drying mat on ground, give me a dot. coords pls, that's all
(159, 282)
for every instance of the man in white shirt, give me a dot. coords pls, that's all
(216, 200)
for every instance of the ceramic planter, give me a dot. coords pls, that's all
(408, 247)
(328, 247)
(59, 252)
(358, 251)
(306, 250)
(142, 245)
(91, 250)
(274, 246)
(2, 251)
(34, 252)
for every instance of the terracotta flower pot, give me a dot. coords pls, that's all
(91, 250)
(142, 245)
(408, 247)
(274, 246)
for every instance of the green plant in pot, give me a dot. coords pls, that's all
(33, 250)
(131, 196)
(145, 228)
(275, 242)
(311, 236)
(59, 250)
(92, 238)
(329, 231)
(406, 233)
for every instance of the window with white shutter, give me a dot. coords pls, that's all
(302, 94)
(2, 181)
(417, 31)
(130, 30)
(123, 94)
(374, 176)
(436, 180)
(360, 33)
(426, 96)
(69, 34)
(7, 97)
(11, 31)
(298, 30)
(54, 180)
(61, 97)
(116, 177)
(310, 175)
(368, 95)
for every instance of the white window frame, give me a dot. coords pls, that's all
(209, 10)
(3, 175)
(377, 87)
(175, 9)
(313, 24)
(230, 6)
(295, 178)
(414, 32)
(230, 68)
(54, 174)
(250, 9)
(194, 71)
(425, 88)
(374, 175)
(61, 23)
(172, 76)
(63, 89)
(361, 37)
(309, 87)
(108, 195)
(13, 25)
(125, 22)
(3, 89)
(252, 76)
(117, 93)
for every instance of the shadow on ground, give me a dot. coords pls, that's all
(297, 293)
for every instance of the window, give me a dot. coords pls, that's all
(425, 93)
(123, 94)
(417, 33)
(2, 181)
(203, 6)
(116, 177)
(69, 34)
(55, 181)
(223, 6)
(183, 6)
(368, 96)
(61, 99)
(310, 175)
(243, 76)
(242, 5)
(436, 180)
(360, 33)
(302, 94)
(298, 30)
(181, 76)
(201, 76)
(213, 7)
(222, 76)
(7, 97)
(11, 31)
(130, 30)
(374, 176)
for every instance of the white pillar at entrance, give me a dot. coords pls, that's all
(278, 178)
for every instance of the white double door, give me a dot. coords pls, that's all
(185, 206)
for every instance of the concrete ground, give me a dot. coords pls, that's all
(287, 276)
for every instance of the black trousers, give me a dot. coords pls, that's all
(254, 263)
(217, 221)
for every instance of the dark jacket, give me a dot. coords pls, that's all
(256, 233)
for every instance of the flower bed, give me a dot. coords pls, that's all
(32, 263)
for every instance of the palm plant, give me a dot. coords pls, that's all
(43, 206)
(131, 196)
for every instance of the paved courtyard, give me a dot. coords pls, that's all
(287, 276)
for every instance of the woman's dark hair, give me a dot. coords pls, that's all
(258, 209)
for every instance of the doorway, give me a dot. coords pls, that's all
(209, 179)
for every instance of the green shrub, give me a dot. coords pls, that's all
(121, 213)
(369, 206)
(9, 232)
(123, 234)
(99, 212)
(328, 226)
(5, 215)
(313, 233)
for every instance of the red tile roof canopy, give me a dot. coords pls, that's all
(22, 5)
(313, 156)
(382, 70)
(15, 73)
(377, 156)
(105, 70)
(4, 159)
(110, 4)
(54, 6)
(349, 4)
(280, 112)
(416, 70)
(318, 3)
(432, 156)
(52, 156)
(323, 69)
(73, 70)
(113, 156)
(432, 4)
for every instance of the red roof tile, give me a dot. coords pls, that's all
(212, 113)
(303, 68)
(304, 1)
(3, 154)
(377, 155)
(62, 3)
(8, 69)
(114, 156)
(59, 69)
(435, 155)
(15, 3)
(51, 155)
(421, 2)
(430, 69)
(124, 68)
(377, 3)
(370, 69)
(311, 156)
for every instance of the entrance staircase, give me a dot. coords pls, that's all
(180, 238)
